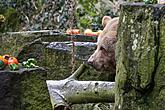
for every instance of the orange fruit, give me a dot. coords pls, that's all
(6, 56)
(73, 31)
(87, 31)
(92, 34)
(4, 60)
(68, 31)
(12, 60)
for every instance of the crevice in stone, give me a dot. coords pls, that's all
(149, 87)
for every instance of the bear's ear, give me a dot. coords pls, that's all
(105, 20)
(114, 24)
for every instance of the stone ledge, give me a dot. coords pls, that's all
(24, 89)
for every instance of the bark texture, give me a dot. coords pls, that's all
(140, 54)
(64, 93)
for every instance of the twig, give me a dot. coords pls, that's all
(78, 72)
(34, 5)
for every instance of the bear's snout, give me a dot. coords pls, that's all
(90, 61)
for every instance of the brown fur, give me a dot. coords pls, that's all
(105, 20)
(103, 59)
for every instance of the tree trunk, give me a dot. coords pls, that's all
(64, 93)
(140, 55)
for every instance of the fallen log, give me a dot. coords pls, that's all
(64, 93)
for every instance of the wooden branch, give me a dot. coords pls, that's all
(34, 4)
(64, 93)
(78, 72)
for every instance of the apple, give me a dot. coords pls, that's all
(73, 31)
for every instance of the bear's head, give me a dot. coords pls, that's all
(103, 59)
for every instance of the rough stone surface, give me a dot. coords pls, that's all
(7, 91)
(24, 90)
(140, 58)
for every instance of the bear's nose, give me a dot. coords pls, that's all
(90, 62)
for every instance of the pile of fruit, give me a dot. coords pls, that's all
(73, 31)
(87, 32)
(13, 64)
(7, 60)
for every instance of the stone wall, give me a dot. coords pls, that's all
(140, 58)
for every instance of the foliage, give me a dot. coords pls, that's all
(12, 20)
(86, 13)
(49, 14)
(89, 13)
(11, 15)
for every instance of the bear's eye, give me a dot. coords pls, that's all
(101, 48)
(95, 47)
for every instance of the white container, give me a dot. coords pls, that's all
(161, 1)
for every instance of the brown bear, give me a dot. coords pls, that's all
(103, 59)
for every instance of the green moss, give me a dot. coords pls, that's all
(34, 93)
(139, 52)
